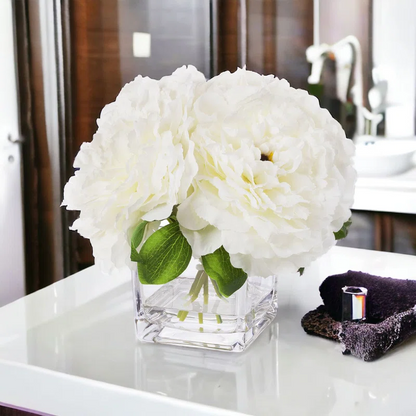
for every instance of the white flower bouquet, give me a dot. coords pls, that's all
(252, 176)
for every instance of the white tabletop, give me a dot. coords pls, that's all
(70, 349)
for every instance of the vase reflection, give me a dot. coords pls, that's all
(242, 382)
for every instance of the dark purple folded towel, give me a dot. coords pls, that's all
(391, 314)
(386, 296)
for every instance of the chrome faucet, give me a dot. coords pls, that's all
(348, 57)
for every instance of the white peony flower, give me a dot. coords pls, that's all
(275, 177)
(139, 164)
(254, 165)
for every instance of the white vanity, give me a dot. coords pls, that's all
(392, 194)
(385, 203)
(386, 175)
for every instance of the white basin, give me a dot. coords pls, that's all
(384, 157)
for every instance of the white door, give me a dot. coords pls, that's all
(12, 268)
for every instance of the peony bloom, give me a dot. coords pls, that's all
(275, 177)
(139, 165)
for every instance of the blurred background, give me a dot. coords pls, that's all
(61, 61)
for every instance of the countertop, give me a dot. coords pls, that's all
(389, 194)
(70, 349)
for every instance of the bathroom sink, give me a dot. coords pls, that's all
(384, 157)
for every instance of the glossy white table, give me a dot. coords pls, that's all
(70, 350)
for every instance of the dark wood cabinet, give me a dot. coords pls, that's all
(382, 231)
(7, 411)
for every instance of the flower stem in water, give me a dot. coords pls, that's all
(195, 282)
(182, 315)
(201, 283)
(197, 286)
(201, 321)
(206, 290)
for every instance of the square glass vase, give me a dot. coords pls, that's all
(167, 314)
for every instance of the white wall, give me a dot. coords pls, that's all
(394, 52)
(12, 274)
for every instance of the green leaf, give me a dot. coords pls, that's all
(301, 271)
(219, 268)
(136, 239)
(343, 232)
(163, 256)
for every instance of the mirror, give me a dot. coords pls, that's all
(363, 65)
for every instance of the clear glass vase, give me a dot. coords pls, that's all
(169, 314)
